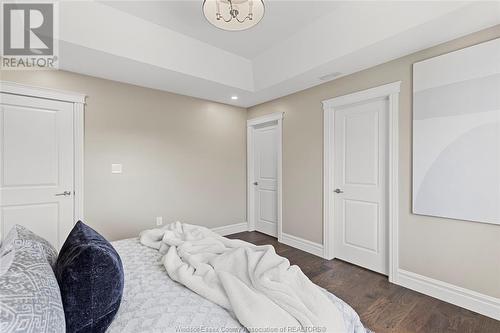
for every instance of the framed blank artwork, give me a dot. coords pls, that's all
(456, 134)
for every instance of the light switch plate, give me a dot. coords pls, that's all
(116, 168)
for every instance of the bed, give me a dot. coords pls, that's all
(152, 302)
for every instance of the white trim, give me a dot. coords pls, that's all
(273, 117)
(302, 244)
(79, 137)
(280, 179)
(265, 119)
(231, 229)
(250, 173)
(359, 96)
(78, 101)
(328, 237)
(391, 91)
(465, 298)
(393, 188)
(33, 91)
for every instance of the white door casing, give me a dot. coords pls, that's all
(360, 195)
(41, 157)
(358, 199)
(264, 174)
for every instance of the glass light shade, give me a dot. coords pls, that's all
(218, 13)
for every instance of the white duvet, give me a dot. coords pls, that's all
(261, 288)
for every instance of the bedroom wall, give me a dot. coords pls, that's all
(466, 254)
(183, 158)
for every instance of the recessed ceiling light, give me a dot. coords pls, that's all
(234, 98)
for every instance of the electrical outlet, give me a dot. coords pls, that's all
(159, 220)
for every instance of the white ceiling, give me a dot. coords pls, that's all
(169, 45)
(281, 20)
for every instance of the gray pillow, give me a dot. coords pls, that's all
(19, 236)
(30, 300)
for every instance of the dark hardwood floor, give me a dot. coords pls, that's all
(382, 306)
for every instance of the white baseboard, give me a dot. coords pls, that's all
(465, 298)
(302, 244)
(231, 229)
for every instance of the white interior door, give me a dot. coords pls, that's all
(36, 166)
(265, 143)
(360, 184)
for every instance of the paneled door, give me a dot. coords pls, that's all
(266, 178)
(360, 184)
(36, 166)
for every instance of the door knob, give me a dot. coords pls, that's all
(337, 190)
(255, 183)
(65, 193)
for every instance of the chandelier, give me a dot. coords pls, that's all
(233, 15)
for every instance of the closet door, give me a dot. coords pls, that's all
(36, 166)
(360, 180)
(266, 178)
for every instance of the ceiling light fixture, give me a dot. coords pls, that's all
(233, 15)
(234, 98)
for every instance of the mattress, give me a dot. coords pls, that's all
(152, 302)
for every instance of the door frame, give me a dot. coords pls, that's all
(78, 101)
(391, 92)
(277, 118)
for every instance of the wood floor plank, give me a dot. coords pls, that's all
(382, 306)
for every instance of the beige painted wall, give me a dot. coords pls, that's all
(466, 254)
(183, 158)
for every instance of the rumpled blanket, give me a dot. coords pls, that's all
(260, 287)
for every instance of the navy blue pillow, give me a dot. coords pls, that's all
(90, 276)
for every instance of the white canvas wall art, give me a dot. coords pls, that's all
(456, 134)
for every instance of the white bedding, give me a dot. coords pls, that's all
(253, 282)
(152, 302)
